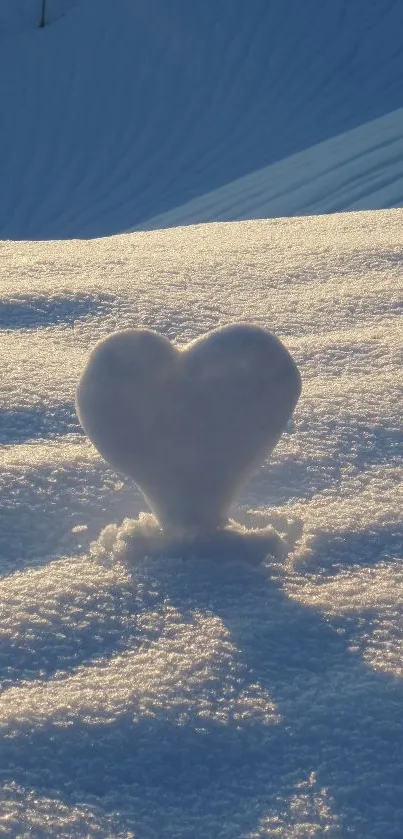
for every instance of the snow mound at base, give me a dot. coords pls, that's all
(140, 538)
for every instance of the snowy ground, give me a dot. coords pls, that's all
(157, 698)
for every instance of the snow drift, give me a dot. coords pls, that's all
(117, 113)
(148, 696)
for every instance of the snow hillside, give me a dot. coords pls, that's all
(361, 169)
(116, 114)
(156, 698)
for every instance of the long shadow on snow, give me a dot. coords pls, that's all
(359, 446)
(339, 719)
(62, 642)
(40, 508)
(345, 550)
(51, 500)
(23, 424)
(39, 311)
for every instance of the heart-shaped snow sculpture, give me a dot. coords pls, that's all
(188, 425)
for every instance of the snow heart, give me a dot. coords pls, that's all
(188, 425)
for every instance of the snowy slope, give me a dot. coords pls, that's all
(361, 169)
(160, 698)
(116, 113)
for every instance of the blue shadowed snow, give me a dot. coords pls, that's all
(39, 311)
(157, 689)
(18, 426)
(173, 101)
(156, 766)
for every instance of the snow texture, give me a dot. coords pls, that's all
(156, 687)
(167, 693)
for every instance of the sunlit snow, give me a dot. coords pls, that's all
(148, 696)
(170, 689)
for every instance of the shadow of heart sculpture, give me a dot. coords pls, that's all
(189, 425)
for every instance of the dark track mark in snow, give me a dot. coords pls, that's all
(38, 311)
(19, 426)
(18, 18)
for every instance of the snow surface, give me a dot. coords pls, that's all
(156, 697)
(147, 696)
(244, 109)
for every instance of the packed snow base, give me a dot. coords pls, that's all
(138, 538)
(155, 695)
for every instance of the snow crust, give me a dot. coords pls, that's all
(149, 694)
